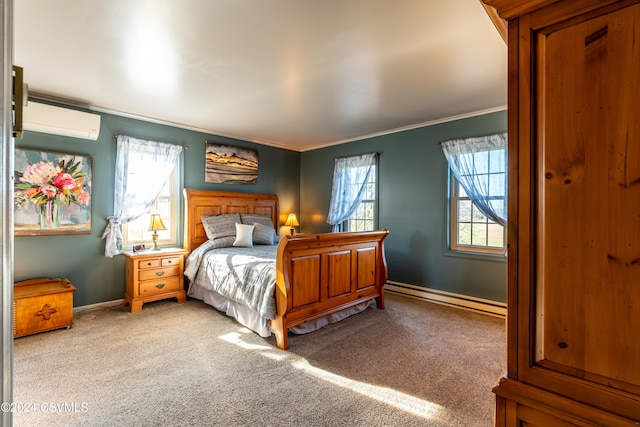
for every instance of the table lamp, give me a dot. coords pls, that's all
(292, 222)
(155, 225)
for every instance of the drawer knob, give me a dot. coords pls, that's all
(159, 273)
(160, 286)
(149, 263)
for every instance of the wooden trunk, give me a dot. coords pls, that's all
(42, 305)
(574, 214)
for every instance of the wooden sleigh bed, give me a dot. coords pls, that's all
(317, 275)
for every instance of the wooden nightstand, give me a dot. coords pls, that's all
(154, 275)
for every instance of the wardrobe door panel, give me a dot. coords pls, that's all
(588, 199)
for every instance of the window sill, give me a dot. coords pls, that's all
(476, 255)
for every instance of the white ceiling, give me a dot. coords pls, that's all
(297, 74)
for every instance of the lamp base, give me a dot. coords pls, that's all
(155, 241)
(293, 230)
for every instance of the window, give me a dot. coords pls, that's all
(352, 177)
(471, 230)
(137, 231)
(142, 169)
(364, 218)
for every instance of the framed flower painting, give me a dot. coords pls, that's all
(52, 193)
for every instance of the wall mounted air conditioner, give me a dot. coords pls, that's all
(60, 121)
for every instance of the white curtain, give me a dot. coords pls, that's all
(142, 170)
(473, 176)
(350, 176)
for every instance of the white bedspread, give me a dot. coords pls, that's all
(223, 271)
(244, 275)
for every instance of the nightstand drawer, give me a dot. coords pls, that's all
(170, 261)
(159, 273)
(149, 263)
(161, 286)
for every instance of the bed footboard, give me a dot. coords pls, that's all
(320, 274)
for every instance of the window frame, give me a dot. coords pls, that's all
(346, 225)
(453, 246)
(173, 184)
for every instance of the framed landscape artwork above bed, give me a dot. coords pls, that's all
(227, 164)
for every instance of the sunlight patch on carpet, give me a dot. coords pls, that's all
(397, 399)
(236, 338)
(402, 401)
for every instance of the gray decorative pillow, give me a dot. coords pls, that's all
(217, 226)
(223, 242)
(257, 218)
(263, 235)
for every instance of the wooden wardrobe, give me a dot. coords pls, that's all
(573, 350)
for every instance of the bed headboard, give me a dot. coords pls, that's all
(204, 202)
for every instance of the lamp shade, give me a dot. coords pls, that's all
(156, 223)
(292, 221)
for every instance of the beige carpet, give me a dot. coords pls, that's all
(412, 364)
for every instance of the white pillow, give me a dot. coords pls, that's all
(244, 235)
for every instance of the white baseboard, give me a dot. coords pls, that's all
(105, 304)
(478, 305)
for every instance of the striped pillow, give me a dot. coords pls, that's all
(260, 219)
(218, 226)
(263, 235)
(223, 242)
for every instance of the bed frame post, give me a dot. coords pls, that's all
(281, 332)
(279, 325)
(384, 274)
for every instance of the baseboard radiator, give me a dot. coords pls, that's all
(464, 302)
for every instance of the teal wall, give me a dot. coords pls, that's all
(412, 203)
(81, 258)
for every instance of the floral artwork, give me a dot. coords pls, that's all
(52, 194)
